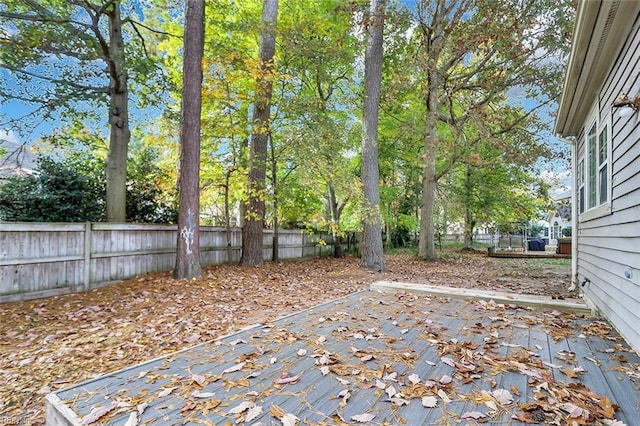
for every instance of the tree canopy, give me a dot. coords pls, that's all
(466, 89)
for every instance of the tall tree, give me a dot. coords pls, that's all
(56, 55)
(317, 103)
(255, 205)
(188, 253)
(472, 52)
(372, 249)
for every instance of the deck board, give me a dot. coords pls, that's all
(403, 334)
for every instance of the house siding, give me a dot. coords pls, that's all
(609, 246)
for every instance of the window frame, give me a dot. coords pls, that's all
(590, 169)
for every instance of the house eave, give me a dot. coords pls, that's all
(600, 30)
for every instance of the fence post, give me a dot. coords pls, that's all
(87, 255)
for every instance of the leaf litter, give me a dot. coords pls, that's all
(156, 315)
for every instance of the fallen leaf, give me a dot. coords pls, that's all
(608, 422)
(429, 401)
(443, 395)
(252, 413)
(276, 411)
(198, 378)
(574, 411)
(606, 407)
(445, 379)
(141, 407)
(491, 405)
(414, 378)
(472, 415)
(198, 394)
(242, 407)
(448, 361)
(343, 381)
(289, 420)
(363, 418)
(399, 401)
(97, 413)
(285, 380)
(166, 391)
(236, 367)
(391, 391)
(503, 396)
(132, 420)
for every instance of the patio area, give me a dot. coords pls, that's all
(380, 358)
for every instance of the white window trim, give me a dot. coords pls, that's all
(605, 208)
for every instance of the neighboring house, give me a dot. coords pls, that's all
(559, 219)
(603, 68)
(17, 161)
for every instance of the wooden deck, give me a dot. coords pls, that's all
(528, 254)
(379, 358)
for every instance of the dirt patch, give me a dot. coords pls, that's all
(48, 344)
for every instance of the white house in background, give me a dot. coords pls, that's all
(17, 160)
(604, 67)
(559, 218)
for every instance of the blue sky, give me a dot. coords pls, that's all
(14, 109)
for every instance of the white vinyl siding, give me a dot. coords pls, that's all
(607, 183)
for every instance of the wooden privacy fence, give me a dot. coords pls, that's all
(46, 259)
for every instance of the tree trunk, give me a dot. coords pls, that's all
(275, 245)
(468, 215)
(433, 36)
(335, 212)
(426, 242)
(255, 209)
(188, 248)
(116, 167)
(372, 255)
(227, 218)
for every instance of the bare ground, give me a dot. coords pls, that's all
(49, 344)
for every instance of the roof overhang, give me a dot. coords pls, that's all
(600, 30)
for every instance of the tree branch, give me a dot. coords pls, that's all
(75, 85)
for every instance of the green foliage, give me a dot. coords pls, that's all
(57, 193)
(487, 143)
(69, 185)
(54, 54)
(534, 229)
(146, 200)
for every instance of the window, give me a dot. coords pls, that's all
(603, 177)
(581, 186)
(556, 231)
(591, 169)
(593, 176)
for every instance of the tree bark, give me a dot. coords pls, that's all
(116, 166)
(372, 255)
(255, 207)
(275, 244)
(336, 212)
(188, 253)
(227, 217)
(434, 37)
